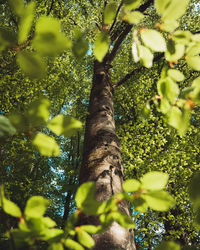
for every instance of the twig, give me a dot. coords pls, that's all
(123, 35)
(128, 76)
(51, 7)
(115, 19)
(73, 20)
(98, 26)
(119, 41)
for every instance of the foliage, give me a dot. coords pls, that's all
(35, 43)
(34, 226)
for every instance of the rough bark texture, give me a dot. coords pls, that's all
(102, 161)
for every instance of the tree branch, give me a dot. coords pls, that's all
(98, 27)
(123, 35)
(115, 19)
(119, 41)
(144, 6)
(73, 20)
(51, 7)
(129, 75)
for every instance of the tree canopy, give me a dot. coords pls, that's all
(148, 51)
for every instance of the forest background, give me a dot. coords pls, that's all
(57, 80)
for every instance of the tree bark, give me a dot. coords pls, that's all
(102, 162)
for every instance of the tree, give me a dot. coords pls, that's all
(102, 161)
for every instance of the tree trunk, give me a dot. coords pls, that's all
(102, 162)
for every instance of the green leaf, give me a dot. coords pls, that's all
(185, 93)
(21, 238)
(23, 226)
(80, 45)
(56, 246)
(84, 238)
(168, 245)
(52, 235)
(6, 128)
(66, 125)
(179, 120)
(85, 191)
(73, 245)
(159, 200)
(110, 12)
(11, 208)
(154, 40)
(146, 111)
(71, 222)
(133, 17)
(171, 9)
(154, 180)
(48, 222)
(161, 5)
(176, 75)
(135, 52)
(131, 185)
(85, 199)
(49, 41)
(197, 218)
(182, 37)
(111, 205)
(46, 145)
(36, 115)
(176, 9)
(26, 22)
(35, 225)
(17, 6)
(123, 219)
(146, 56)
(195, 90)
(36, 207)
(131, 4)
(7, 38)
(196, 38)
(38, 112)
(193, 50)
(164, 106)
(194, 190)
(91, 228)
(19, 121)
(140, 205)
(163, 74)
(31, 64)
(174, 51)
(193, 62)
(169, 25)
(101, 45)
(168, 89)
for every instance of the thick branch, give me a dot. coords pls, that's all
(119, 41)
(129, 75)
(123, 35)
(144, 6)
